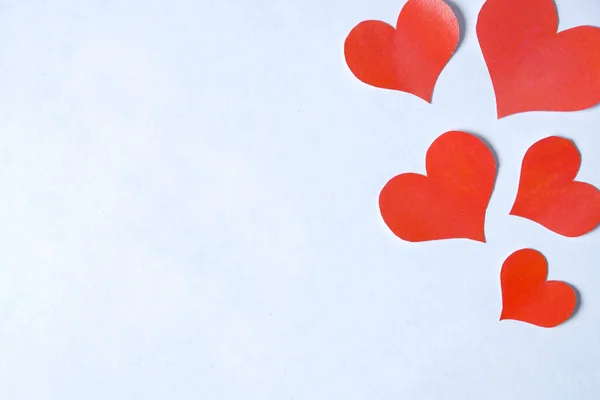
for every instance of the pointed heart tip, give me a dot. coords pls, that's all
(479, 238)
(426, 97)
(502, 113)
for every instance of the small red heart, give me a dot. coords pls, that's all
(409, 58)
(548, 193)
(451, 201)
(528, 297)
(534, 68)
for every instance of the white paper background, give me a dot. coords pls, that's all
(188, 210)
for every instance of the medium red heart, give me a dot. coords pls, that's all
(534, 68)
(526, 294)
(409, 58)
(548, 193)
(451, 201)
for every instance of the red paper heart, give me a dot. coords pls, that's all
(409, 58)
(526, 294)
(534, 68)
(548, 193)
(451, 201)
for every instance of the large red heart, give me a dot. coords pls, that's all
(409, 58)
(534, 68)
(548, 193)
(526, 294)
(451, 201)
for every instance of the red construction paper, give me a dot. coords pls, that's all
(548, 193)
(451, 201)
(526, 294)
(409, 58)
(534, 68)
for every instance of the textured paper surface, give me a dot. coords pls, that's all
(410, 57)
(451, 201)
(526, 294)
(549, 194)
(534, 68)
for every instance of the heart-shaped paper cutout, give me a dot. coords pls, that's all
(548, 193)
(526, 294)
(451, 201)
(409, 58)
(534, 68)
